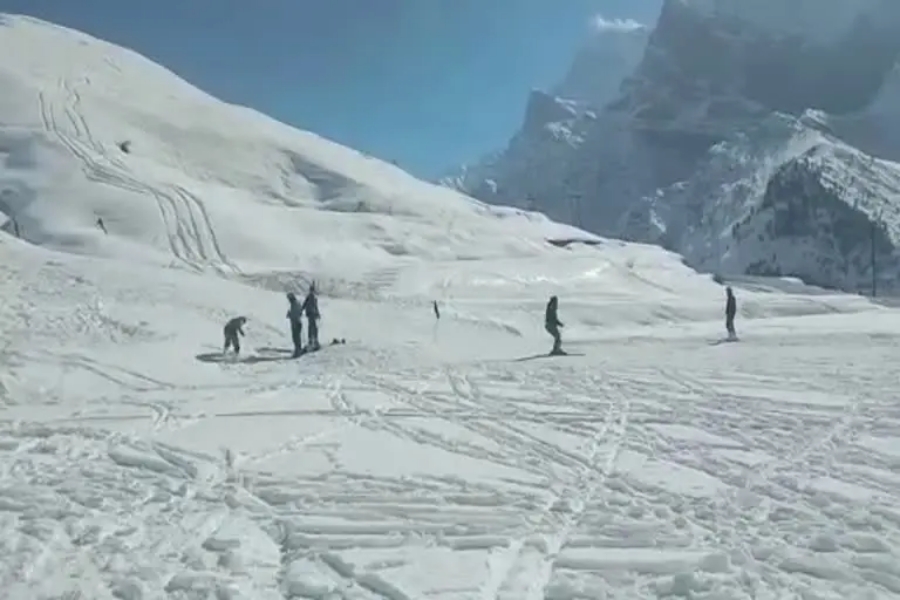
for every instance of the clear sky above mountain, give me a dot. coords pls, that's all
(429, 83)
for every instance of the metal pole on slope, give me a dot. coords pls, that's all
(874, 265)
(874, 276)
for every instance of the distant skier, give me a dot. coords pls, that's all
(730, 312)
(552, 325)
(102, 225)
(437, 311)
(231, 331)
(311, 308)
(295, 316)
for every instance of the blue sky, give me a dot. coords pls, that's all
(430, 83)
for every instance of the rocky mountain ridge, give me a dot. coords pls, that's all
(725, 109)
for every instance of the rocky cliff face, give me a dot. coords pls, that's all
(729, 102)
(610, 54)
(876, 128)
(709, 64)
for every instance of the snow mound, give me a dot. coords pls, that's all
(89, 131)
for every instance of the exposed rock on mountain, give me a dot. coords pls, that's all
(611, 53)
(730, 103)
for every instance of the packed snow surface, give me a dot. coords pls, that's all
(431, 458)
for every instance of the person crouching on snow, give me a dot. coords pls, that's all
(231, 331)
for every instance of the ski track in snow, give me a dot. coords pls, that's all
(766, 493)
(191, 236)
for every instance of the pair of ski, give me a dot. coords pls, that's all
(307, 350)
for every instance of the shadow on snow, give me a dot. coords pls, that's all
(218, 357)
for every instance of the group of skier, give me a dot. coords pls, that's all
(310, 308)
(295, 314)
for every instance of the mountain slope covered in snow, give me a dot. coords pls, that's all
(724, 94)
(436, 453)
(170, 171)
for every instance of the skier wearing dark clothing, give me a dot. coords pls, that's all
(311, 308)
(552, 325)
(231, 331)
(730, 312)
(295, 315)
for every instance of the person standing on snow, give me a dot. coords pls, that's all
(231, 330)
(730, 312)
(311, 307)
(295, 316)
(552, 325)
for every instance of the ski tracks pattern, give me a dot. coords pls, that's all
(538, 541)
(191, 236)
(622, 480)
(524, 570)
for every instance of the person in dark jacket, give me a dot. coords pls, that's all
(231, 330)
(295, 316)
(552, 325)
(311, 308)
(730, 312)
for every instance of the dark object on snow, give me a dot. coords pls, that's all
(101, 225)
(231, 331)
(552, 324)
(437, 311)
(295, 316)
(730, 312)
(311, 308)
(125, 147)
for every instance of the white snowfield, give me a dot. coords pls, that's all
(440, 459)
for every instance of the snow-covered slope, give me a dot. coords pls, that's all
(445, 458)
(707, 117)
(88, 131)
